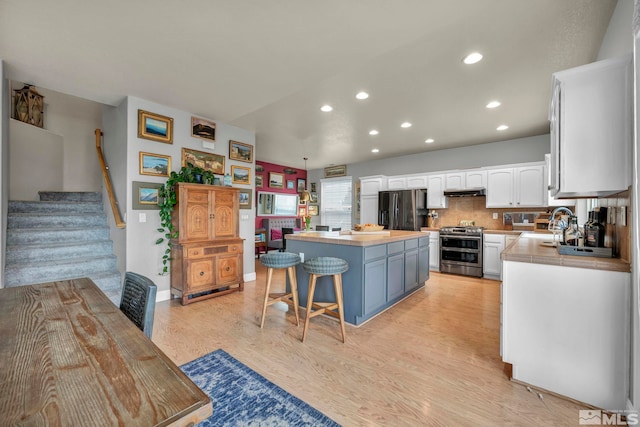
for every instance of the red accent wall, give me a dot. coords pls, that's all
(272, 167)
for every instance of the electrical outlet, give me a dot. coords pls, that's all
(142, 217)
(495, 215)
(623, 216)
(301, 256)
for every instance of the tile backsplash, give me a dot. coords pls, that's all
(618, 236)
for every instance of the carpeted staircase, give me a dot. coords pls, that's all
(63, 236)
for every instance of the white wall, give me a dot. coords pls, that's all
(4, 166)
(142, 254)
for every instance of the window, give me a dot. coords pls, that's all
(336, 198)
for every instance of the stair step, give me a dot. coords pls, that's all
(48, 220)
(33, 236)
(26, 206)
(71, 196)
(50, 251)
(30, 273)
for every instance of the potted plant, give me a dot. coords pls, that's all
(169, 199)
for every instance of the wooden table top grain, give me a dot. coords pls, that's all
(70, 357)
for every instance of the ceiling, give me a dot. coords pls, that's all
(269, 66)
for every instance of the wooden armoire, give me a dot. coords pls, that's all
(207, 255)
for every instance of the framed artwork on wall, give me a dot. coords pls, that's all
(245, 199)
(276, 180)
(313, 210)
(334, 171)
(155, 164)
(203, 129)
(240, 151)
(258, 181)
(241, 175)
(290, 185)
(302, 185)
(312, 188)
(207, 161)
(146, 195)
(155, 127)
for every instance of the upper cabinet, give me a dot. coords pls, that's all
(591, 129)
(516, 187)
(371, 185)
(435, 191)
(463, 180)
(397, 183)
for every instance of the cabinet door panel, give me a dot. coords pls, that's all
(227, 269)
(200, 273)
(224, 218)
(375, 280)
(530, 190)
(435, 194)
(476, 179)
(395, 276)
(197, 225)
(500, 188)
(410, 270)
(423, 264)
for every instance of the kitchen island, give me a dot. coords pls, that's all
(565, 321)
(383, 268)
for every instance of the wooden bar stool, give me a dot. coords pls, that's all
(325, 266)
(281, 260)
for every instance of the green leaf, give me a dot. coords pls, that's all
(160, 240)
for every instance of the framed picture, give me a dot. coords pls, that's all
(155, 127)
(207, 161)
(302, 211)
(258, 181)
(314, 197)
(276, 180)
(333, 171)
(240, 151)
(313, 210)
(313, 187)
(245, 199)
(204, 129)
(146, 195)
(302, 203)
(356, 196)
(241, 175)
(290, 185)
(302, 184)
(155, 164)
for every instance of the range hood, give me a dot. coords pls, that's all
(469, 192)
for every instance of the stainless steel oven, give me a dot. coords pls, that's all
(461, 250)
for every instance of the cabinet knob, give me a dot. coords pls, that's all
(228, 269)
(202, 273)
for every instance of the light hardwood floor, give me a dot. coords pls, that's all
(433, 359)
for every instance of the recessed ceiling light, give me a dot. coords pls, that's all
(326, 108)
(406, 125)
(493, 104)
(375, 150)
(472, 58)
(362, 95)
(502, 127)
(429, 140)
(373, 132)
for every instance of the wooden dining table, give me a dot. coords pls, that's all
(70, 357)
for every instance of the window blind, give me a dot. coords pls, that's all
(336, 199)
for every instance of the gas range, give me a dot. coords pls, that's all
(461, 250)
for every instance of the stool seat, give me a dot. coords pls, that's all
(325, 266)
(286, 260)
(280, 260)
(318, 267)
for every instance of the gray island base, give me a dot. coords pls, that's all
(383, 268)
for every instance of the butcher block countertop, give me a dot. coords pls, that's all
(355, 239)
(531, 248)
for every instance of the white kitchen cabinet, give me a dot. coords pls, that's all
(516, 187)
(417, 181)
(369, 209)
(435, 192)
(434, 251)
(397, 183)
(591, 121)
(475, 179)
(455, 181)
(371, 185)
(492, 247)
(552, 201)
(559, 323)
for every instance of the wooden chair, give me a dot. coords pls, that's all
(139, 301)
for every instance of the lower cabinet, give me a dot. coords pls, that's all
(206, 269)
(395, 276)
(434, 251)
(493, 245)
(375, 275)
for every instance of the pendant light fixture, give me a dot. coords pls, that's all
(304, 194)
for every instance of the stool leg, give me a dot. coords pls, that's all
(337, 285)
(294, 292)
(312, 288)
(266, 295)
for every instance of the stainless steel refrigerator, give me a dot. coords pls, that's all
(403, 209)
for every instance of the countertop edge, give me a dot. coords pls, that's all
(354, 240)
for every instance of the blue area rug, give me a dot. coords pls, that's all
(242, 397)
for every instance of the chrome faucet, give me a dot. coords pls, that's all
(558, 225)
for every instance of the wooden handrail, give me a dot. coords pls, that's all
(107, 182)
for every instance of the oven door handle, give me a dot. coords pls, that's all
(453, 237)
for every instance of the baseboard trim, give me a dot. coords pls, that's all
(250, 277)
(163, 295)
